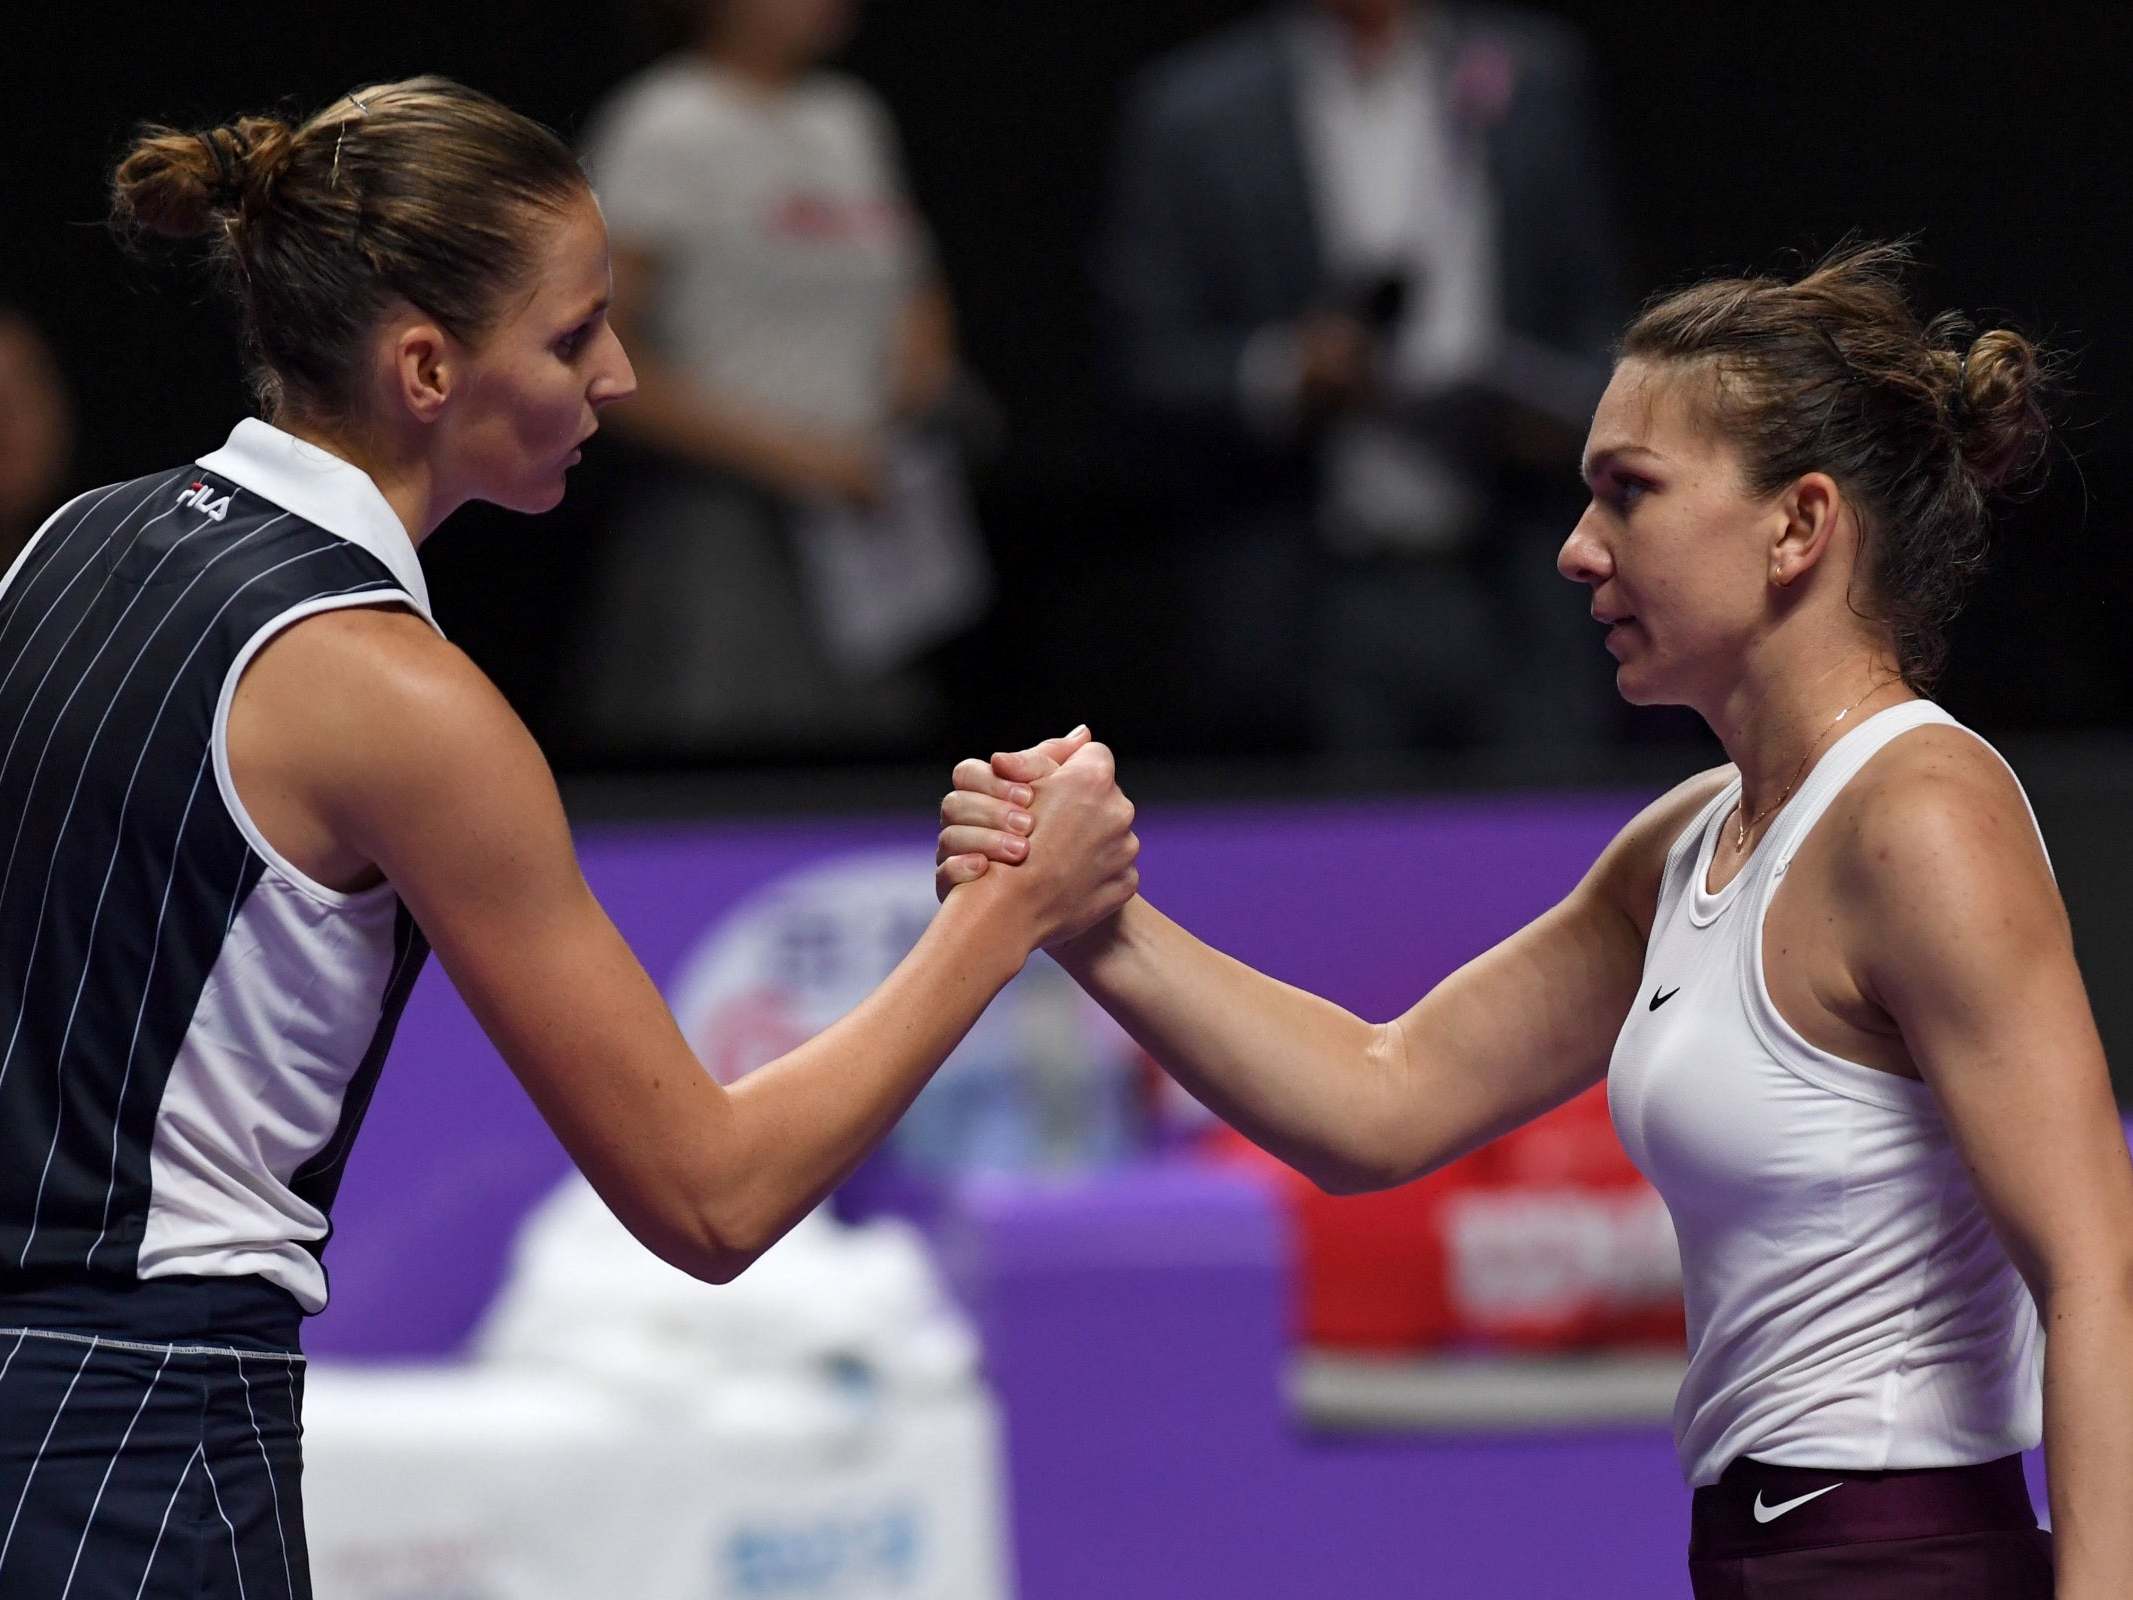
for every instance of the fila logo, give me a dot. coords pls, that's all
(199, 495)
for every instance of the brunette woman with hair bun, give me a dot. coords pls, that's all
(1830, 986)
(252, 785)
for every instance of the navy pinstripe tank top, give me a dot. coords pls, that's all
(190, 1028)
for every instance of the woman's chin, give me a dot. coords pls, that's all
(531, 497)
(1636, 686)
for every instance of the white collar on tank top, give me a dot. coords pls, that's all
(1772, 854)
(325, 491)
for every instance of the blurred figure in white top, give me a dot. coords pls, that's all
(792, 336)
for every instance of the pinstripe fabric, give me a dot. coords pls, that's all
(131, 1471)
(125, 877)
(190, 1030)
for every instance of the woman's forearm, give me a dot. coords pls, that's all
(2088, 1433)
(801, 1123)
(1298, 1075)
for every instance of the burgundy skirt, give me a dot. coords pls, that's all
(1764, 1532)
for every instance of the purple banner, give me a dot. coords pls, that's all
(1366, 903)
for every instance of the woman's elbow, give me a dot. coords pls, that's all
(1341, 1182)
(1369, 1149)
(722, 1267)
(1350, 1172)
(728, 1245)
(707, 1245)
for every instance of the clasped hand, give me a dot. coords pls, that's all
(1080, 871)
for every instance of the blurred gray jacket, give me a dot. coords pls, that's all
(1213, 234)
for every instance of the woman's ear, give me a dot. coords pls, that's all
(424, 368)
(1811, 510)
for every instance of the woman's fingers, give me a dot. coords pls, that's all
(964, 809)
(974, 776)
(1008, 847)
(1040, 760)
(954, 871)
(985, 818)
(979, 825)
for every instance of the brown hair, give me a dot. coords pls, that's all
(1921, 424)
(416, 191)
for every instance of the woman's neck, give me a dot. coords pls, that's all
(1783, 716)
(404, 477)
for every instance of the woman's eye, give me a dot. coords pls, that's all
(571, 343)
(1627, 492)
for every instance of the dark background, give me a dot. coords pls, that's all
(1743, 135)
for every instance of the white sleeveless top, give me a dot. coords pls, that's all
(1849, 1306)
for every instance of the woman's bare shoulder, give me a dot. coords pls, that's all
(365, 691)
(368, 654)
(1939, 802)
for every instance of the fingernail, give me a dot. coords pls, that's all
(1015, 847)
(1078, 730)
(1020, 821)
(1020, 795)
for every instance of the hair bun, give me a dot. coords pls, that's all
(1997, 403)
(178, 185)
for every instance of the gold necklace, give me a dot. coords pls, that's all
(1740, 827)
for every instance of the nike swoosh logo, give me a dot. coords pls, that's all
(1765, 1513)
(1661, 997)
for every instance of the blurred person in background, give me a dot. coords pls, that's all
(1361, 269)
(792, 542)
(36, 431)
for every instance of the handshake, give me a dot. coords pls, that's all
(1078, 874)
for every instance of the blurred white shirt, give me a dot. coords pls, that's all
(1400, 188)
(785, 247)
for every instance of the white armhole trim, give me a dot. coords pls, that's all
(1823, 1068)
(219, 741)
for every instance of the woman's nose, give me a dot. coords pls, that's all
(1583, 559)
(618, 382)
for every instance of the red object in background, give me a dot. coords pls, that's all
(1546, 1239)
